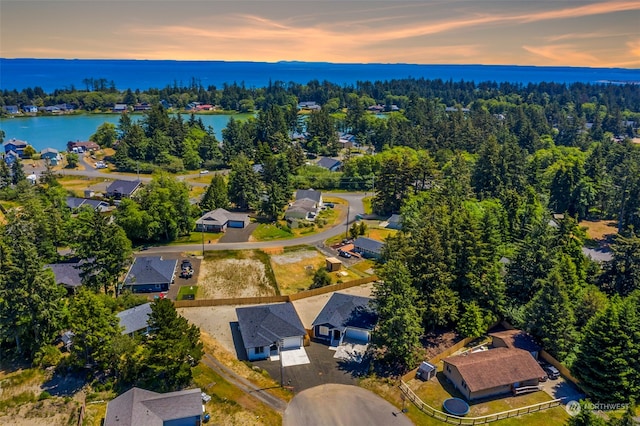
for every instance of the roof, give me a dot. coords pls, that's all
(265, 324)
(311, 194)
(221, 216)
(76, 202)
(304, 205)
(151, 270)
(517, 339)
(134, 319)
(345, 310)
(368, 244)
(140, 407)
(49, 151)
(395, 218)
(15, 142)
(495, 367)
(123, 186)
(328, 163)
(67, 274)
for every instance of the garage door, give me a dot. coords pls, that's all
(236, 224)
(292, 342)
(355, 334)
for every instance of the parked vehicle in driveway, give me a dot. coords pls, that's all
(186, 264)
(551, 371)
(344, 254)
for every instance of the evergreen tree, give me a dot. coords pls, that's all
(174, 347)
(216, 195)
(321, 278)
(585, 418)
(244, 184)
(17, 172)
(399, 330)
(471, 323)
(622, 273)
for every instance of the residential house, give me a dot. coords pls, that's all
(51, 155)
(345, 316)
(75, 203)
(346, 140)
(310, 194)
(394, 222)
(368, 247)
(330, 164)
(455, 109)
(491, 373)
(140, 407)
(120, 108)
(150, 274)
(515, 339)
(67, 274)
(67, 339)
(11, 109)
(135, 320)
(219, 220)
(309, 105)
(265, 328)
(122, 189)
(81, 147)
(30, 109)
(11, 157)
(15, 145)
(306, 206)
(144, 106)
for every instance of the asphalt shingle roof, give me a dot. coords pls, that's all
(140, 407)
(151, 270)
(263, 325)
(345, 310)
(134, 319)
(328, 162)
(368, 244)
(517, 339)
(308, 193)
(125, 187)
(67, 274)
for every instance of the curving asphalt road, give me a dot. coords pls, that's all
(341, 405)
(355, 208)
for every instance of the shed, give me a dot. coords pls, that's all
(333, 264)
(426, 371)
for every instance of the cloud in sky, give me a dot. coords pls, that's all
(579, 33)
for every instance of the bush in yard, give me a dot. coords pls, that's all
(320, 279)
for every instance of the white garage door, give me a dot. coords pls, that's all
(292, 342)
(355, 334)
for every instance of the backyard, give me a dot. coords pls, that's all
(77, 184)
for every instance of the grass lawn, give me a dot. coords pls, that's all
(363, 266)
(204, 178)
(196, 238)
(599, 229)
(366, 202)
(294, 269)
(94, 413)
(77, 184)
(380, 234)
(269, 232)
(187, 291)
(196, 191)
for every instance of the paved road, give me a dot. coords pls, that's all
(355, 207)
(341, 405)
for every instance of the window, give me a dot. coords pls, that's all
(323, 331)
(464, 384)
(259, 350)
(448, 368)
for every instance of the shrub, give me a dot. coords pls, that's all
(47, 356)
(44, 395)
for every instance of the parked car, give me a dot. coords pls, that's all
(204, 172)
(186, 264)
(551, 371)
(344, 254)
(330, 205)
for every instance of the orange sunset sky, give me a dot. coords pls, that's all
(513, 32)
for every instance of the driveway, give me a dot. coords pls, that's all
(562, 388)
(238, 235)
(341, 405)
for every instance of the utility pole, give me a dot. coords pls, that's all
(202, 228)
(346, 234)
(280, 344)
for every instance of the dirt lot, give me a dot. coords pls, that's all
(243, 276)
(294, 270)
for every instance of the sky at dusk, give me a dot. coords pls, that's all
(511, 32)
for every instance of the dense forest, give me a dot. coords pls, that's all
(492, 181)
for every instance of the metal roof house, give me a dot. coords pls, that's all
(345, 316)
(265, 327)
(219, 220)
(135, 319)
(368, 247)
(140, 407)
(150, 274)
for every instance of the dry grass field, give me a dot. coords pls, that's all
(77, 184)
(294, 270)
(599, 229)
(235, 274)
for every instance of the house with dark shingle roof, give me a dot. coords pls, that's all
(122, 189)
(219, 220)
(311, 194)
(345, 316)
(516, 339)
(491, 373)
(329, 163)
(140, 407)
(264, 327)
(67, 274)
(135, 320)
(368, 247)
(74, 203)
(306, 206)
(150, 274)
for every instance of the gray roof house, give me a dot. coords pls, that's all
(368, 247)
(140, 407)
(263, 327)
(219, 220)
(310, 194)
(306, 206)
(345, 316)
(394, 222)
(67, 274)
(122, 188)
(75, 203)
(135, 319)
(329, 163)
(150, 274)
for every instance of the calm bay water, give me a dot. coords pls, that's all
(56, 131)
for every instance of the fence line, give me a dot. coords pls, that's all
(273, 299)
(456, 420)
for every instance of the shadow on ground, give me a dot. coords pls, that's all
(241, 353)
(64, 385)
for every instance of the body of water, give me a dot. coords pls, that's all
(56, 131)
(51, 74)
